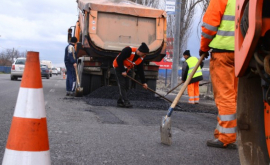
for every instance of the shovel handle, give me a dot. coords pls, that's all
(150, 89)
(76, 70)
(174, 88)
(180, 93)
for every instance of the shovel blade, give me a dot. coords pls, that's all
(165, 131)
(79, 92)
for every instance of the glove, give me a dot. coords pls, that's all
(202, 52)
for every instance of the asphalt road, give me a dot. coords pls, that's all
(80, 133)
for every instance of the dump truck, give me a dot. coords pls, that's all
(104, 28)
(252, 66)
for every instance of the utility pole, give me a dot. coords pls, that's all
(176, 44)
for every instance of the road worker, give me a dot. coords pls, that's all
(193, 87)
(218, 35)
(71, 63)
(123, 63)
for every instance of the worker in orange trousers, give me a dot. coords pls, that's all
(193, 87)
(218, 35)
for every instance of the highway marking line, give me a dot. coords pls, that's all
(52, 90)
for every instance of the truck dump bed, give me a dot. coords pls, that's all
(112, 25)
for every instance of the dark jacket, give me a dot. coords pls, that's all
(69, 59)
(126, 52)
(185, 69)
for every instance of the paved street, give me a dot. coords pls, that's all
(80, 133)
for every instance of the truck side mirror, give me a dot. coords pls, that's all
(69, 34)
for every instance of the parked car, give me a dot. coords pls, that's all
(44, 71)
(17, 68)
(49, 65)
(55, 71)
(59, 69)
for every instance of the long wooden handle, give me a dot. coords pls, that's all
(76, 71)
(150, 89)
(180, 93)
(174, 88)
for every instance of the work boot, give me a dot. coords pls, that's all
(72, 94)
(218, 144)
(120, 103)
(128, 105)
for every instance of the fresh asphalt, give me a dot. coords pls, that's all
(81, 133)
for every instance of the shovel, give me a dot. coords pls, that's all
(151, 90)
(79, 89)
(165, 127)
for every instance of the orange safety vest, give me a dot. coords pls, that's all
(129, 63)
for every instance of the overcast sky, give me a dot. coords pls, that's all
(37, 25)
(41, 25)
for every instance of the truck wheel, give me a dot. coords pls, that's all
(250, 122)
(95, 82)
(85, 83)
(48, 77)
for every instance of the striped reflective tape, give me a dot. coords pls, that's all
(226, 130)
(195, 72)
(228, 18)
(26, 158)
(30, 104)
(207, 36)
(227, 117)
(210, 27)
(225, 33)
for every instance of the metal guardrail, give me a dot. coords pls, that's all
(5, 69)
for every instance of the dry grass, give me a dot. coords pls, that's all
(161, 86)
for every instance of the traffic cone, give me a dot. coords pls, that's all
(28, 142)
(64, 75)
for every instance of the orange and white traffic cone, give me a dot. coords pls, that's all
(28, 142)
(64, 75)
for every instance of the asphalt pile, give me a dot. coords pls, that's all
(108, 96)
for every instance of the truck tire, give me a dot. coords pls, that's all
(95, 82)
(85, 79)
(251, 140)
(85, 83)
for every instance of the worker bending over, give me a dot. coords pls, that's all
(123, 63)
(218, 34)
(193, 87)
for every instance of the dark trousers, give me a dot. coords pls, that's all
(123, 85)
(71, 78)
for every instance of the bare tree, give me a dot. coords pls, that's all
(7, 57)
(188, 9)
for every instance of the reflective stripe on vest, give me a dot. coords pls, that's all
(224, 39)
(129, 63)
(192, 61)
